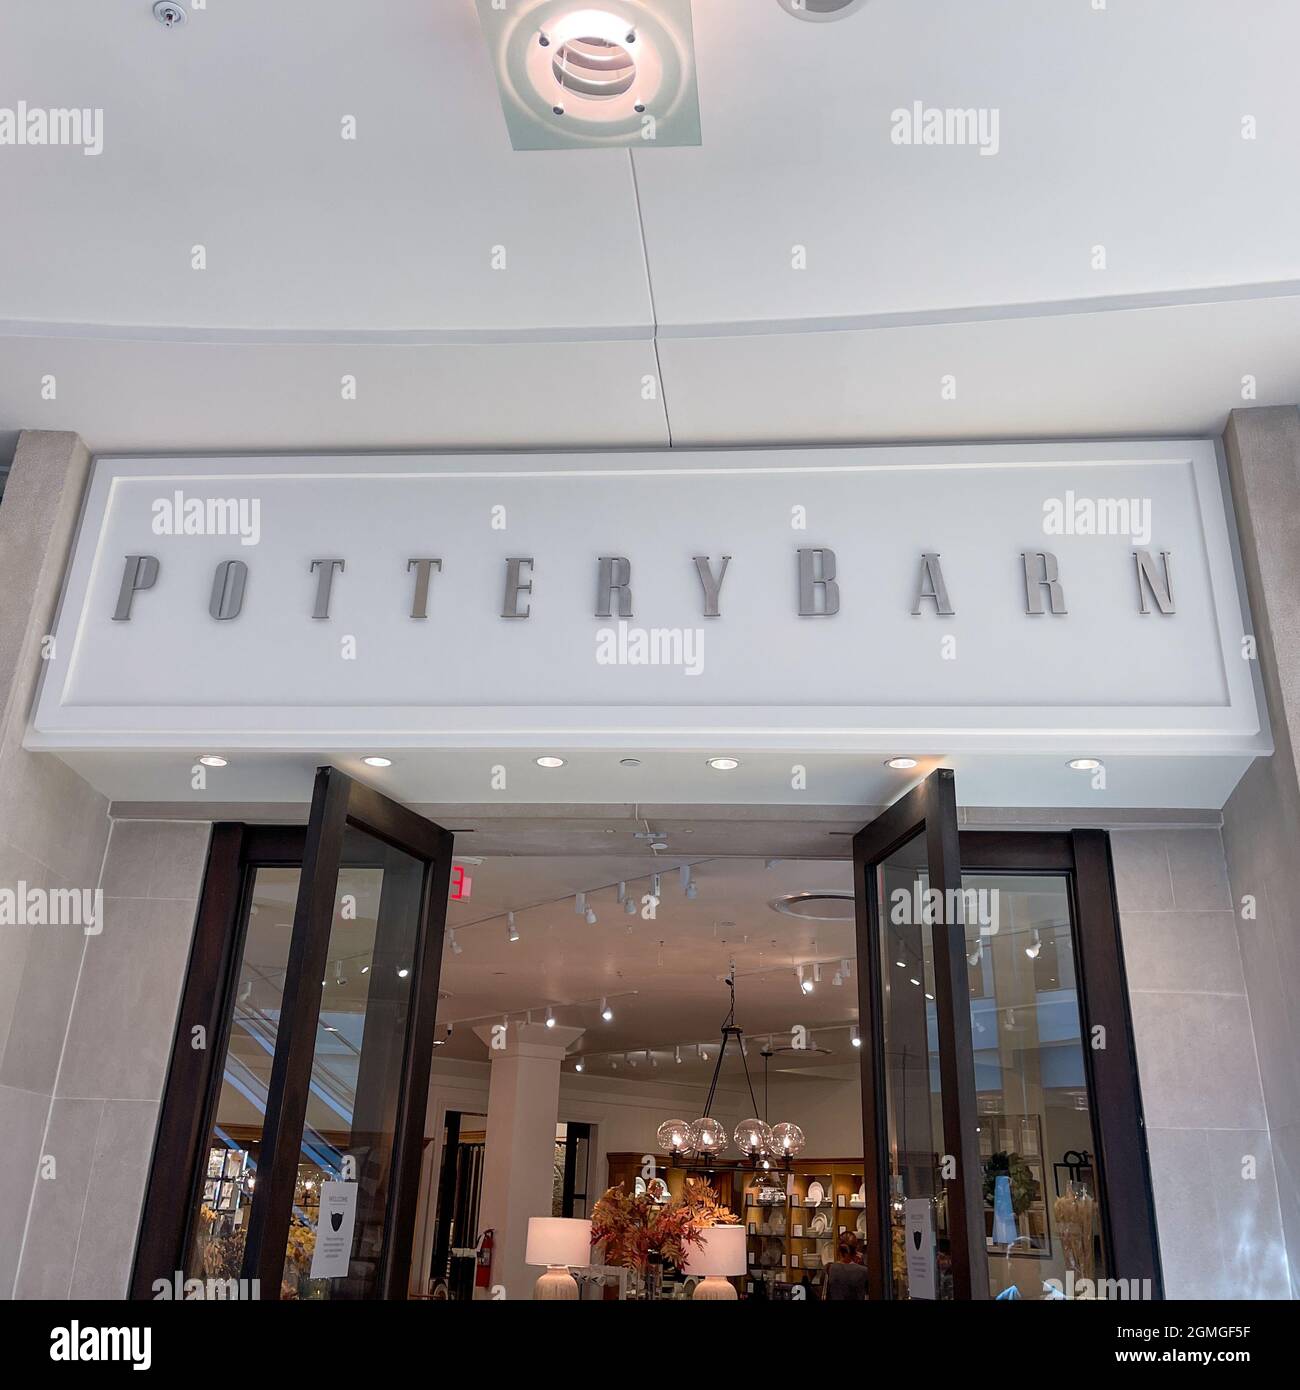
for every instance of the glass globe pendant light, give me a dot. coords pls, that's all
(753, 1138)
(787, 1140)
(708, 1137)
(674, 1137)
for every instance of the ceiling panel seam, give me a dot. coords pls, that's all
(650, 290)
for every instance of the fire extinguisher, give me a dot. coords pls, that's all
(483, 1274)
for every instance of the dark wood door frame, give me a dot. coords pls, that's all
(1110, 1061)
(176, 1171)
(929, 809)
(235, 853)
(1122, 1165)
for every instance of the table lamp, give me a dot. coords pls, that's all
(557, 1242)
(721, 1253)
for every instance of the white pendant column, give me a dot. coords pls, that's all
(519, 1154)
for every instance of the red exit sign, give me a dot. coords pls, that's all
(461, 884)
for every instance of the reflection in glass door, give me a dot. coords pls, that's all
(1043, 1223)
(915, 1146)
(925, 1236)
(346, 1149)
(334, 1211)
(218, 1220)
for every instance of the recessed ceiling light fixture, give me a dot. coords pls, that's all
(606, 1012)
(377, 762)
(512, 931)
(832, 905)
(724, 764)
(213, 760)
(606, 73)
(820, 11)
(901, 764)
(1084, 764)
(549, 760)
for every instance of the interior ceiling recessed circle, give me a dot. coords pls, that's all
(816, 907)
(592, 74)
(593, 68)
(821, 9)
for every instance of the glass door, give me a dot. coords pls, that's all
(332, 1214)
(925, 1217)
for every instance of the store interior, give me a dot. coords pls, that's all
(621, 972)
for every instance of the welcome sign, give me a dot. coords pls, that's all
(1005, 596)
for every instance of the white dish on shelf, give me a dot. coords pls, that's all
(862, 1224)
(816, 1194)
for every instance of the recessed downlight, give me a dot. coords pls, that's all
(820, 11)
(1084, 764)
(596, 74)
(724, 764)
(592, 68)
(549, 761)
(213, 760)
(376, 761)
(901, 764)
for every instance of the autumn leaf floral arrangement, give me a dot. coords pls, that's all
(634, 1225)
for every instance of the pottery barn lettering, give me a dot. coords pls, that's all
(817, 585)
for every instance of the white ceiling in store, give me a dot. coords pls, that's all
(1119, 127)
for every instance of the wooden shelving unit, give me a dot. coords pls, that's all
(792, 1258)
(792, 1235)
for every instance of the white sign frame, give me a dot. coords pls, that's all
(1233, 725)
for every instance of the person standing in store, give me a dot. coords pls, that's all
(846, 1279)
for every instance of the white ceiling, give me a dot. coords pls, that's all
(1119, 126)
(262, 780)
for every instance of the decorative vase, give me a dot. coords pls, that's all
(556, 1283)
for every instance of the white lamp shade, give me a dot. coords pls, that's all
(721, 1253)
(558, 1240)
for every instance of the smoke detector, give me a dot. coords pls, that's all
(599, 74)
(819, 11)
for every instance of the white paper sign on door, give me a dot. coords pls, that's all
(338, 1213)
(919, 1216)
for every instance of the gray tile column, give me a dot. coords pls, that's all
(1261, 822)
(53, 828)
